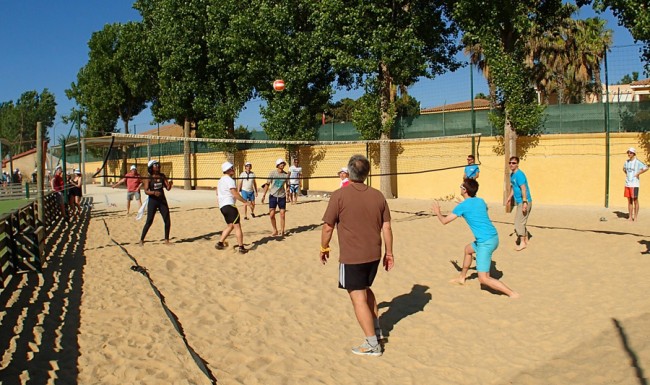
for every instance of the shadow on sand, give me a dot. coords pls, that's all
(42, 311)
(403, 306)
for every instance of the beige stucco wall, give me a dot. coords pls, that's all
(561, 169)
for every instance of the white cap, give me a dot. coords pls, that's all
(225, 166)
(152, 162)
(77, 171)
(279, 161)
(58, 168)
(133, 167)
(632, 150)
(344, 169)
(247, 164)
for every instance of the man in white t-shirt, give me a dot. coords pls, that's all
(295, 181)
(227, 194)
(632, 169)
(248, 188)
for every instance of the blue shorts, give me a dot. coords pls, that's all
(484, 252)
(248, 196)
(277, 202)
(293, 188)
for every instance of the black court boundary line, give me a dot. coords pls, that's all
(200, 362)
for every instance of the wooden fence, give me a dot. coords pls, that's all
(18, 191)
(22, 237)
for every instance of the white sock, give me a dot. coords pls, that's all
(372, 341)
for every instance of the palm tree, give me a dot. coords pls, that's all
(475, 52)
(567, 61)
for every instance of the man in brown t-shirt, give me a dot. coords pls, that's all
(361, 215)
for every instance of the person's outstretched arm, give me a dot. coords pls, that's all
(444, 219)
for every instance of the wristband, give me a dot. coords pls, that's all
(324, 249)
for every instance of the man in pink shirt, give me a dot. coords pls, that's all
(133, 185)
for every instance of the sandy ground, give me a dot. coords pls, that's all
(275, 316)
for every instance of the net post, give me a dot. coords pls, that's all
(82, 167)
(606, 130)
(187, 183)
(39, 172)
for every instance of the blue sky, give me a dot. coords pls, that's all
(45, 45)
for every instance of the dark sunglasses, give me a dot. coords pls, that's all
(513, 162)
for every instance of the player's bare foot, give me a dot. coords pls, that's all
(521, 247)
(167, 243)
(141, 243)
(514, 295)
(274, 234)
(457, 281)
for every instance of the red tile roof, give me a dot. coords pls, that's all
(479, 104)
(642, 82)
(168, 130)
(18, 156)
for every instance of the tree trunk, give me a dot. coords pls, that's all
(385, 96)
(598, 86)
(125, 150)
(510, 149)
(187, 183)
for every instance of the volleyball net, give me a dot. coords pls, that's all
(199, 160)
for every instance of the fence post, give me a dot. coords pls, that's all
(27, 190)
(187, 185)
(606, 130)
(39, 172)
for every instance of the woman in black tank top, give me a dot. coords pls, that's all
(154, 187)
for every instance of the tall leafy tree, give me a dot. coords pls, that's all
(18, 119)
(292, 44)
(502, 29)
(177, 30)
(633, 15)
(118, 80)
(629, 78)
(387, 43)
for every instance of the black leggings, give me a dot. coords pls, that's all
(152, 206)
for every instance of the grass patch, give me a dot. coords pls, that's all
(12, 204)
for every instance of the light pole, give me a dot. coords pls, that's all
(52, 142)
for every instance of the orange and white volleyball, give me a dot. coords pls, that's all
(278, 85)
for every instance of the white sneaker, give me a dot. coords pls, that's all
(366, 350)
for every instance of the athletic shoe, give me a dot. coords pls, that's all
(242, 250)
(366, 350)
(219, 245)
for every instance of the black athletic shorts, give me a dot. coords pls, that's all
(274, 202)
(357, 277)
(230, 214)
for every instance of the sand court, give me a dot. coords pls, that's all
(275, 316)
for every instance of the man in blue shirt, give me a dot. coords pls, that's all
(521, 193)
(474, 210)
(471, 170)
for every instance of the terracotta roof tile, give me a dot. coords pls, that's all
(479, 104)
(168, 130)
(642, 82)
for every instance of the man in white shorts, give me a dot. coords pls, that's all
(248, 188)
(295, 181)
